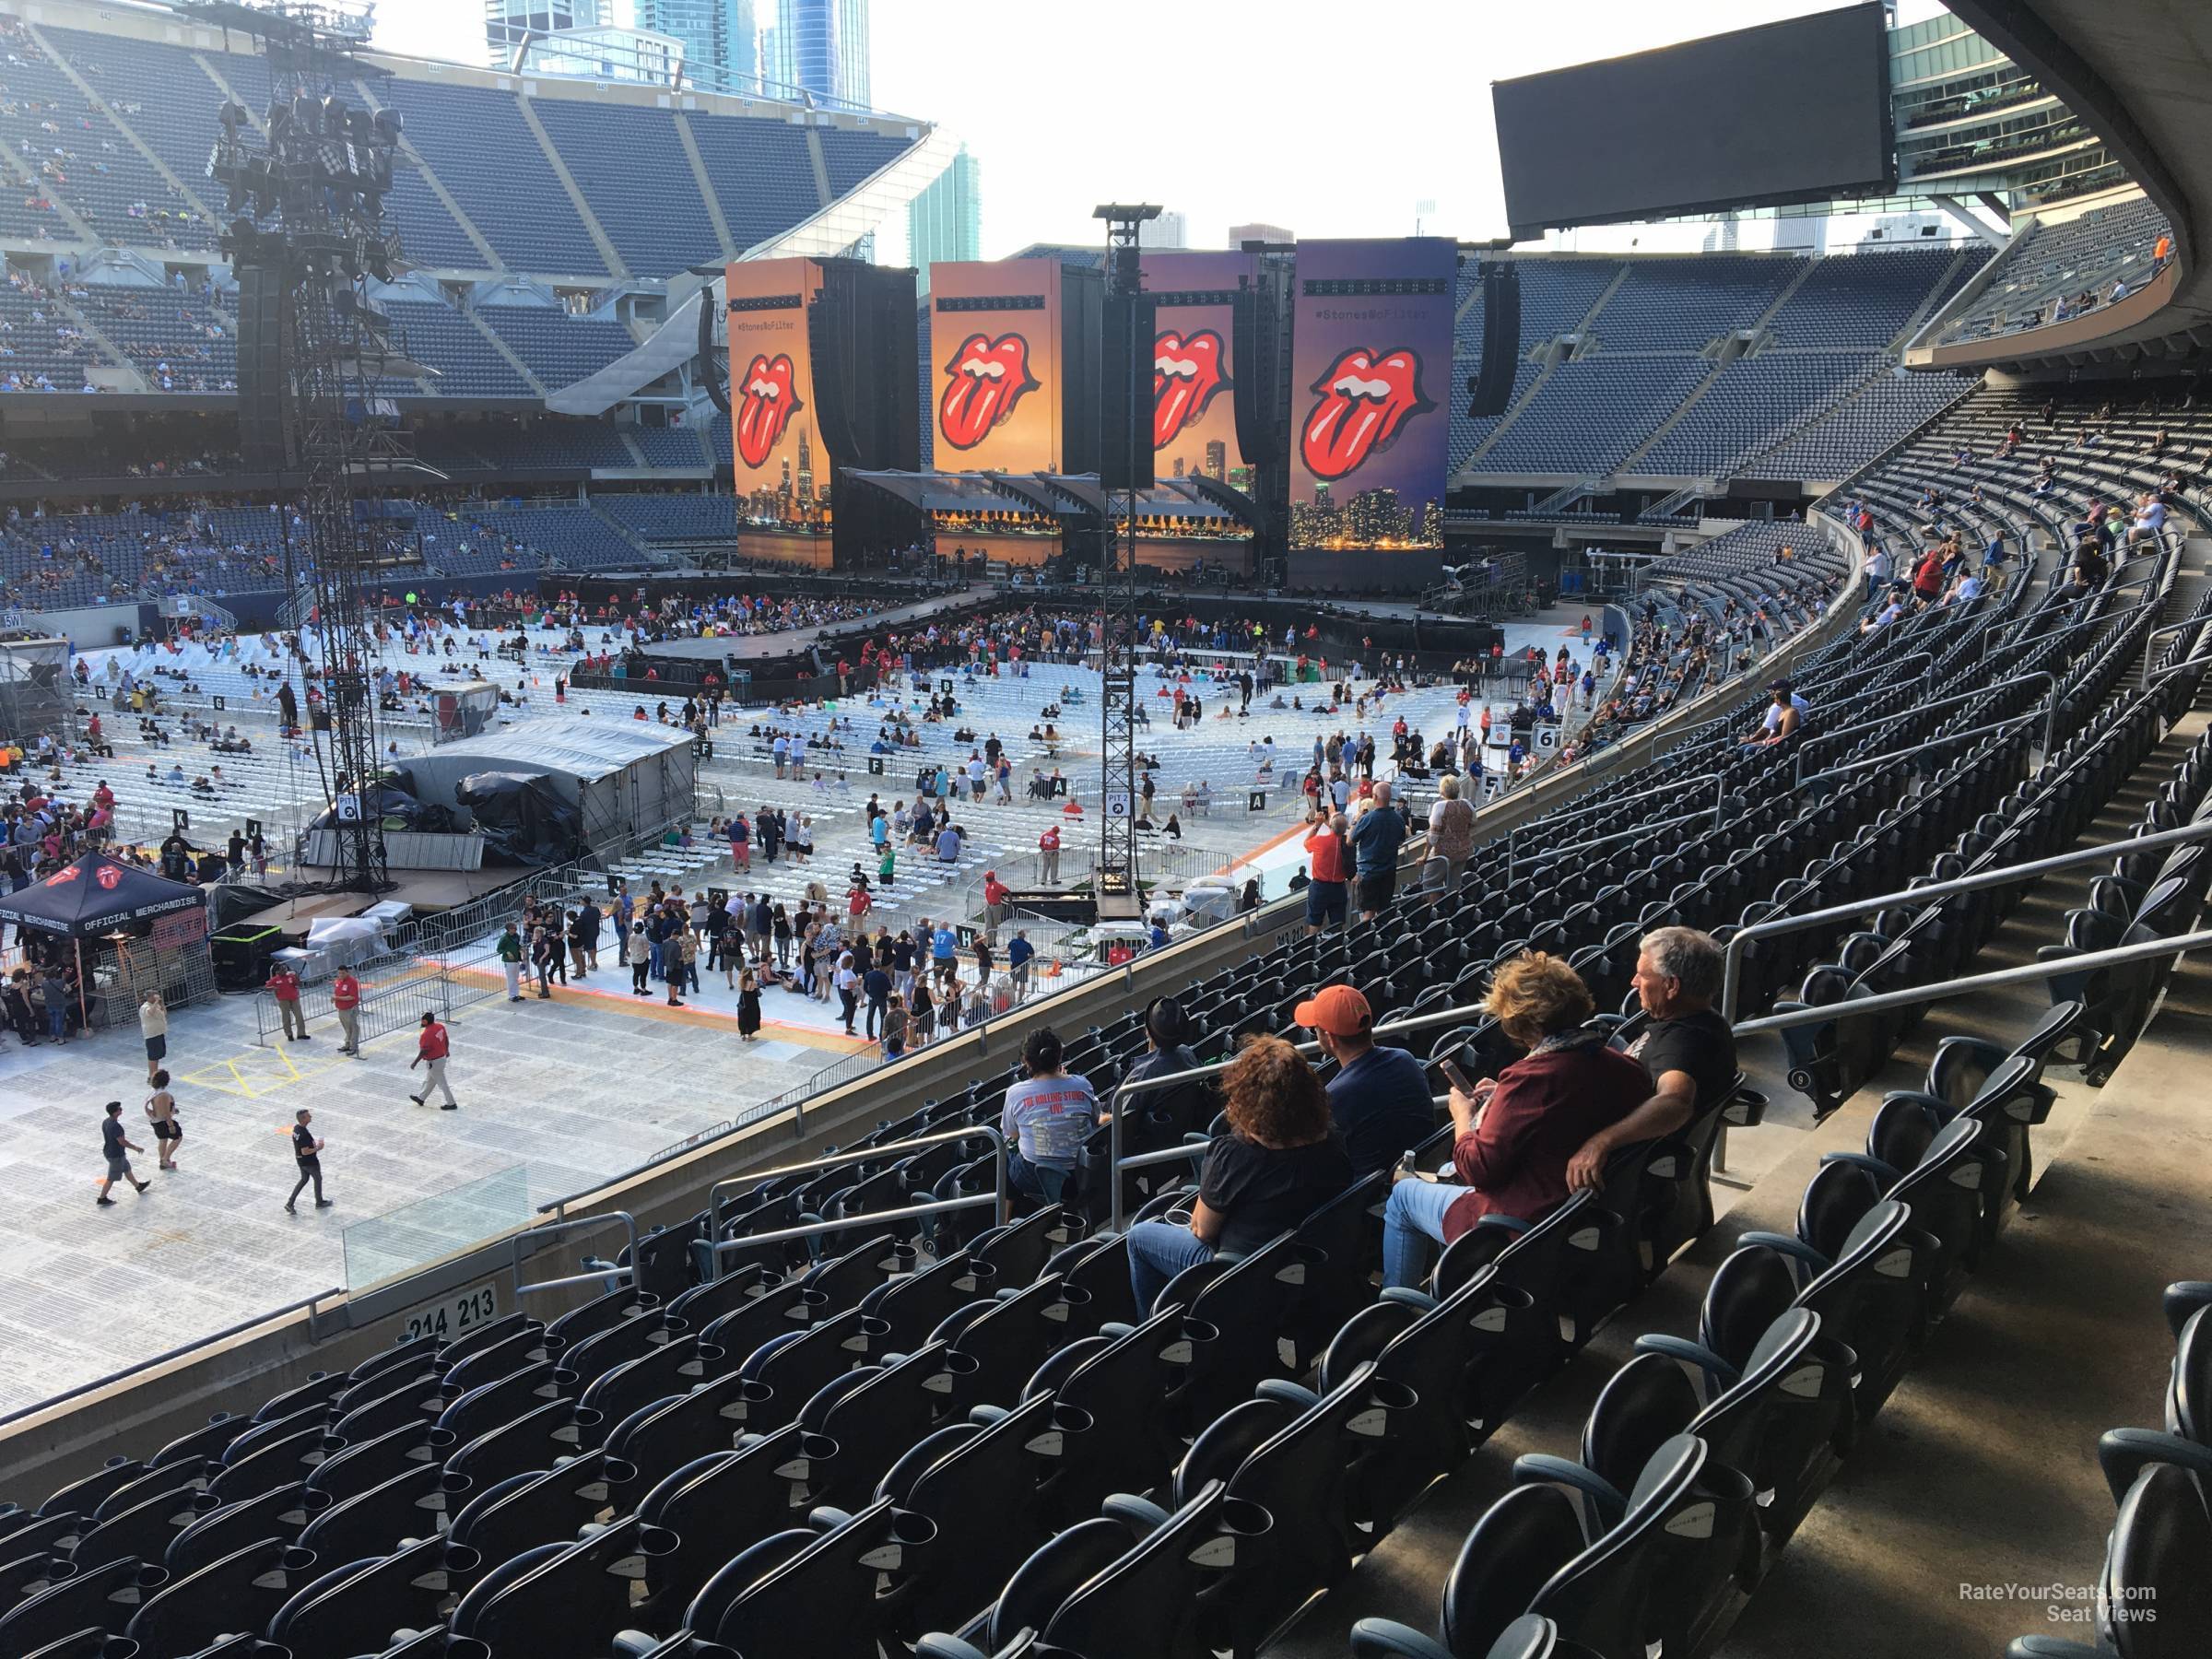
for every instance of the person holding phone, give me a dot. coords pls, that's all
(1513, 1137)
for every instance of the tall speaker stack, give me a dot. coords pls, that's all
(261, 373)
(1492, 389)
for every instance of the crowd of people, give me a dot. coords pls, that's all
(912, 986)
(1522, 1142)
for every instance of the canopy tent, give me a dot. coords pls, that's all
(95, 895)
(130, 931)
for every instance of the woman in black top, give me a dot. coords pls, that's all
(1280, 1160)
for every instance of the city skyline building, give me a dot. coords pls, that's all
(1240, 234)
(609, 54)
(507, 23)
(719, 38)
(946, 222)
(820, 46)
(1170, 230)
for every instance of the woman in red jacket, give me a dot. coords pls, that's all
(1514, 1135)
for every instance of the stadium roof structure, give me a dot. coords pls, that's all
(2135, 70)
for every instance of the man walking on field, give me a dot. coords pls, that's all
(431, 1049)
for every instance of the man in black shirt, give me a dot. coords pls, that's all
(118, 1147)
(307, 1149)
(1686, 1046)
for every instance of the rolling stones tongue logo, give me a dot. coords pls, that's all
(985, 379)
(1186, 373)
(1365, 398)
(767, 404)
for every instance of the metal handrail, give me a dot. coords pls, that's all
(1829, 688)
(2010, 875)
(2152, 676)
(140, 1368)
(609, 1277)
(1934, 743)
(1554, 820)
(2050, 729)
(717, 1248)
(2044, 636)
(1114, 1160)
(1538, 857)
(2027, 974)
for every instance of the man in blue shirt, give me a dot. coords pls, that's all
(1379, 1099)
(943, 951)
(1376, 841)
(1020, 953)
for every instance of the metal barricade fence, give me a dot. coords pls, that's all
(391, 1004)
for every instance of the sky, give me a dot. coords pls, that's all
(1229, 111)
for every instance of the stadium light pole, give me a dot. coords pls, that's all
(1115, 888)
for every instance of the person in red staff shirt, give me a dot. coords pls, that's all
(346, 998)
(1048, 848)
(431, 1051)
(1325, 858)
(284, 985)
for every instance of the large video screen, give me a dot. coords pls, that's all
(1193, 380)
(1371, 377)
(1790, 112)
(783, 470)
(995, 343)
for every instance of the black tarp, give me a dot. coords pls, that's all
(95, 895)
(397, 807)
(521, 818)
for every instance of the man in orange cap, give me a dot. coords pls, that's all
(1379, 1098)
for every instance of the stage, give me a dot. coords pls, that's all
(764, 647)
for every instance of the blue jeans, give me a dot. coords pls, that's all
(1413, 1229)
(1157, 1252)
(1043, 1183)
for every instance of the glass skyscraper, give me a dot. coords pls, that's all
(720, 49)
(946, 222)
(821, 46)
(507, 22)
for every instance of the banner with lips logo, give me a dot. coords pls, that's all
(763, 403)
(995, 335)
(109, 876)
(1193, 381)
(1186, 377)
(983, 382)
(1364, 399)
(1372, 333)
(783, 469)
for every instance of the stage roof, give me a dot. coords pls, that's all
(585, 751)
(1059, 495)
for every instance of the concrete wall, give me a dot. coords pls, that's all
(93, 627)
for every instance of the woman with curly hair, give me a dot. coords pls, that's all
(1512, 1138)
(1280, 1160)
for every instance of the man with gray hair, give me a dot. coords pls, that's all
(1686, 1046)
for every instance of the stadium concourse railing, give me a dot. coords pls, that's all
(74, 1434)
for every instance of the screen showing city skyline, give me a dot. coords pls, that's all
(1370, 372)
(1194, 377)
